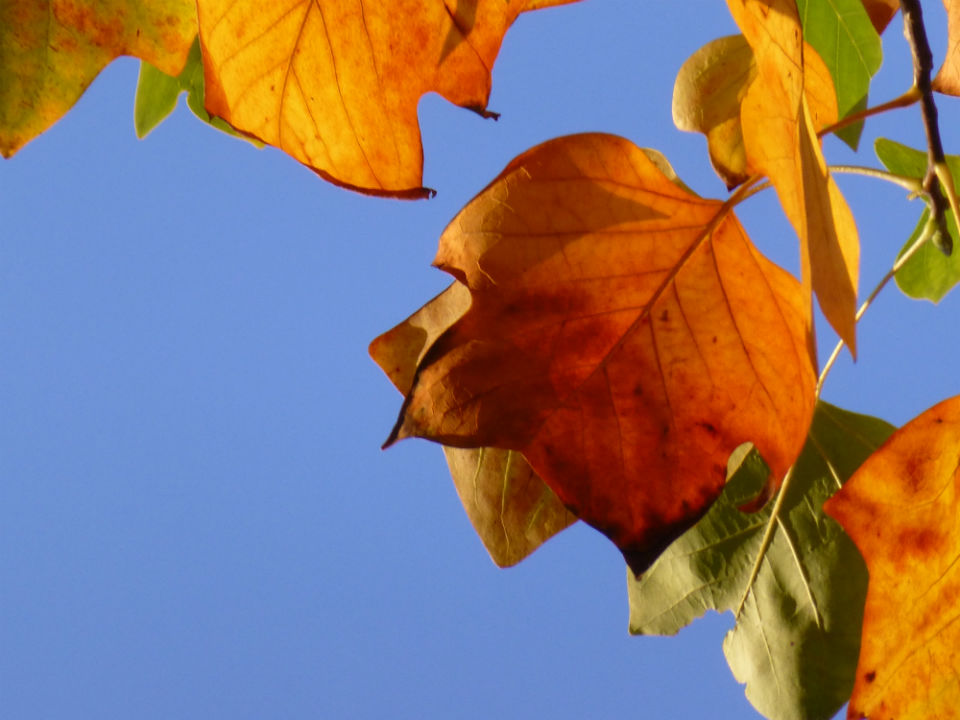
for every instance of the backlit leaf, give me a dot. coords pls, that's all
(881, 12)
(511, 508)
(929, 274)
(624, 334)
(842, 33)
(948, 77)
(796, 642)
(335, 83)
(901, 510)
(157, 95)
(710, 87)
(51, 50)
(781, 142)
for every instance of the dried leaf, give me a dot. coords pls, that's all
(901, 510)
(947, 80)
(510, 507)
(335, 83)
(881, 12)
(781, 142)
(52, 50)
(710, 87)
(624, 334)
(795, 643)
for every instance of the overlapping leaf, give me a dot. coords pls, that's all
(710, 88)
(796, 641)
(511, 509)
(624, 334)
(901, 509)
(51, 50)
(929, 274)
(842, 33)
(781, 142)
(335, 83)
(948, 77)
(881, 12)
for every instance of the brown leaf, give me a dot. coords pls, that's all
(624, 334)
(510, 507)
(947, 80)
(710, 88)
(335, 83)
(781, 142)
(881, 12)
(901, 509)
(52, 50)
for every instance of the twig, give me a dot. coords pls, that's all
(912, 185)
(936, 178)
(909, 98)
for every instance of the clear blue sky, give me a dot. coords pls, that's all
(196, 520)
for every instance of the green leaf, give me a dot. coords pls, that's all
(841, 32)
(796, 642)
(929, 274)
(157, 95)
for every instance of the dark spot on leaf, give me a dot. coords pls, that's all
(665, 316)
(714, 340)
(870, 676)
(708, 427)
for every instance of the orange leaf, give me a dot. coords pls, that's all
(947, 80)
(335, 83)
(624, 334)
(53, 49)
(510, 507)
(881, 12)
(901, 509)
(711, 86)
(781, 142)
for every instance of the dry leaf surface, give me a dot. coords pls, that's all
(624, 334)
(901, 510)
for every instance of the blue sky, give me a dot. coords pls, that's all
(196, 520)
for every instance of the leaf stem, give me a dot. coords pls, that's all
(910, 184)
(909, 98)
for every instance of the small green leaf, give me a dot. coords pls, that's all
(157, 95)
(796, 642)
(929, 274)
(841, 32)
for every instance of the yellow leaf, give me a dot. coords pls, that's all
(510, 507)
(710, 88)
(624, 334)
(335, 83)
(901, 509)
(947, 80)
(781, 142)
(52, 50)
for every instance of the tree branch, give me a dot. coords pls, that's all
(916, 34)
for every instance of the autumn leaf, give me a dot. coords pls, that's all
(710, 88)
(842, 34)
(335, 83)
(510, 507)
(947, 80)
(781, 142)
(624, 335)
(796, 641)
(51, 50)
(881, 12)
(901, 510)
(929, 274)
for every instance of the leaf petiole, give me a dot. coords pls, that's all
(912, 185)
(910, 97)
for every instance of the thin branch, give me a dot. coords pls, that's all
(909, 98)
(912, 185)
(916, 34)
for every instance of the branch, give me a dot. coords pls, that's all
(936, 179)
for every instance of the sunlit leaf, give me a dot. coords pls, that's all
(929, 274)
(624, 334)
(901, 510)
(511, 508)
(52, 50)
(795, 644)
(335, 83)
(157, 95)
(881, 12)
(842, 33)
(780, 141)
(948, 77)
(710, 87)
